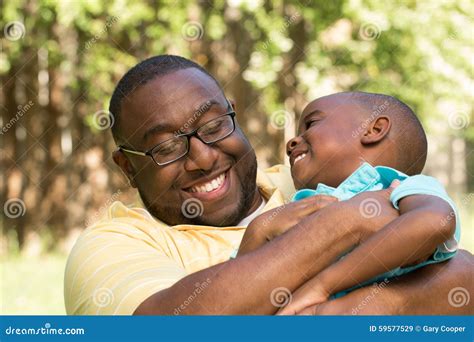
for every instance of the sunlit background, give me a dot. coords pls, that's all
(60, 61)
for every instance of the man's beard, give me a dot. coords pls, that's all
(174, 216)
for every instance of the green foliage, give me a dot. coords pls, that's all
(422, 51)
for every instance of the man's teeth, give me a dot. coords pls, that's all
(209, 186)
(301, 156)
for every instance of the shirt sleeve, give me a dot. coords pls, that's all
(114, 267)
(425, 185)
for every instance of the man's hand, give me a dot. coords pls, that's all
(277, 221)
(308, 295)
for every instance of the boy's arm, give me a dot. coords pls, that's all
(413, 236)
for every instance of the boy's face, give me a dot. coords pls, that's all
(327, 149)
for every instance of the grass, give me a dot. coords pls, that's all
(34, 285)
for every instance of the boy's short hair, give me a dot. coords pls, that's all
(411, 145)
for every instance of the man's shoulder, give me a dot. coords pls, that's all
(277, 176)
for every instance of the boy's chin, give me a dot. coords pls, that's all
(300, 183)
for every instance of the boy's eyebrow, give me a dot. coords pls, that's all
(314, 112)
(162, 127)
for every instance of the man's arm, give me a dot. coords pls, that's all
(437, 289)
(244, 285)
(405, 241)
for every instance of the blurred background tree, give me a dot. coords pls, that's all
(60, 61)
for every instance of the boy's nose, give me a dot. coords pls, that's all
(292, 143)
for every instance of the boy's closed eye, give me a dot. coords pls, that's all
(309, 123)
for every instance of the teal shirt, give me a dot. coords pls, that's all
(369, 178)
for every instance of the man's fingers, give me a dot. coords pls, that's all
(308, 311)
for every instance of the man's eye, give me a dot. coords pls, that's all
(165, 151)
(213, 127)
(168, 149)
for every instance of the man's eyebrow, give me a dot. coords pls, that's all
(162, 127)
(159, 127)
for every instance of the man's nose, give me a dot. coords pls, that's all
(200, 156)
(291, 145)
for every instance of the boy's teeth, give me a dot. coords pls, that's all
(301, 156)
(209, 186)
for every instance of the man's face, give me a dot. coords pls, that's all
(213, 184)
(326, 149)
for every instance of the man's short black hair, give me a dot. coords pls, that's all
(142, 73)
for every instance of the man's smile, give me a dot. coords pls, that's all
(212, 187)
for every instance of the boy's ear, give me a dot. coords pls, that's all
(377, 130)
(122, 161)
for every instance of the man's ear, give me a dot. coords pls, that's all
(122, 161)
(376, 130)
(232, 103)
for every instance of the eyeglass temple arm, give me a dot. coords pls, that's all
(132, 151)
